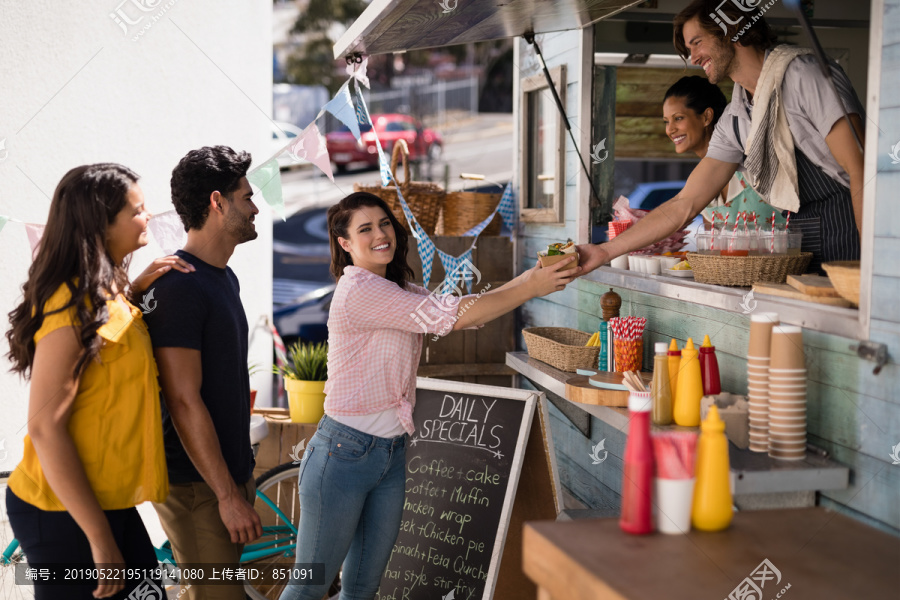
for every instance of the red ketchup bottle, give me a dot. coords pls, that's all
(637, 480)
(709, 369)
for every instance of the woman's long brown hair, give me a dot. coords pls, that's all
(339, 215)
(73, 252)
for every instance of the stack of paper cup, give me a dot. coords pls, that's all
(787, 394)
(758, 362)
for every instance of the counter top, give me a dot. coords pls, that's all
(817, 317)
(752, 472)
(810, 553)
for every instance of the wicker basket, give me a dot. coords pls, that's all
(464, 210)
(747, 270)
(425, 199)
(561, 347)
(844, 276)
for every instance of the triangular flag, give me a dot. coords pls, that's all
(267, 178)
(362, 114)
(358, 71)
(310, 146)
(3, 221)
(507, 208)
(341, 106)
(476, 231)
(426, 254)
(34, 231)
(168, 231)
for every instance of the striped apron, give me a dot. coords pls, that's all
(825, 218)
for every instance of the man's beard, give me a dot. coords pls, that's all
(240, 227)
(722, 63)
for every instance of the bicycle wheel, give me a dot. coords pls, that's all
(9, 557)
(277, 486)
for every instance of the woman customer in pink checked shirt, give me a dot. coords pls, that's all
(353, 472)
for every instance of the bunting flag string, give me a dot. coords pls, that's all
(350, 109)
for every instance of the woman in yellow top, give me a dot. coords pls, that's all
(94, 448)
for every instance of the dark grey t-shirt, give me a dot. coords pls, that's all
(203, 311)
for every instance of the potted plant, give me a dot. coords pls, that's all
(304, 380)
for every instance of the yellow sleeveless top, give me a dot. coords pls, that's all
(115, 420)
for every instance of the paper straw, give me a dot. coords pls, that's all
(787, 222)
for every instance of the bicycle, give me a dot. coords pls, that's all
(278, 506)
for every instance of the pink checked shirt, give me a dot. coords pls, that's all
(375, 334)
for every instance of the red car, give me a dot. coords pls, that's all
(344, 149)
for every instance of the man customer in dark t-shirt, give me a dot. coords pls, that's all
(199, 333)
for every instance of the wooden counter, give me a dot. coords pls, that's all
(751, 472)
(820, 554)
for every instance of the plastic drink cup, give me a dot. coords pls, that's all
(674, 498)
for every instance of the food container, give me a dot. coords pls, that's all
(546, 261)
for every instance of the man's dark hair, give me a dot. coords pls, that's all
(759, 35)
(199, 174)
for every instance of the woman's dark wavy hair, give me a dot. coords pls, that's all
(339, 215)
(73, 252)
(759, 36)
(699, 94)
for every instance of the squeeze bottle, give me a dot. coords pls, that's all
(674, 364)
(637, 468)
(712, 507)
(689, 390)
(709, 369)
(660, 388)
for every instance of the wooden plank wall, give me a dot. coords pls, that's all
(640, 131)
(853, 414)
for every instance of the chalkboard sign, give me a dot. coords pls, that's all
(462, 469)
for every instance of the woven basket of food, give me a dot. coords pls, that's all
(744, 271)
(425, 199)
(561, 347)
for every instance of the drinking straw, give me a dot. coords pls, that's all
(787, 223)
(674, 452)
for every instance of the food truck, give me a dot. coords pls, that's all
(589, 79)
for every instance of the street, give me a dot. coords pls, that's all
(479, 144)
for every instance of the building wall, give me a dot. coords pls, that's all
(78, 89)
(853, 414)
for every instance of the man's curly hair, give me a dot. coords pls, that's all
(199, 174)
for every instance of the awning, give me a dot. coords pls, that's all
(399, 25)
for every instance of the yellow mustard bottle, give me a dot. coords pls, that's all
(712, 508)
(689, 387)
(674, 356)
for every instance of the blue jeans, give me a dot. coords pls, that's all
(352, 487)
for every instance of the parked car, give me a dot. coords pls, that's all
(648, 196)
(282, 134)
(305, 318)
(344, 149)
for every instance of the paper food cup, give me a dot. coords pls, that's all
(547, 261)
(674, 499)
(761, 325)
(787, 348)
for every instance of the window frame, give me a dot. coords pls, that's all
(530, 86)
